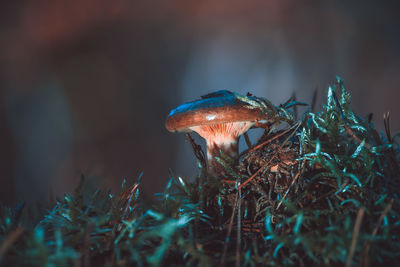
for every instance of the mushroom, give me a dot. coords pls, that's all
(220, 118)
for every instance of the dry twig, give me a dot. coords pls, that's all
(367, 246)
(11, 238)
(198, 152)
(228, 234)
(357, 226)
(290, 186)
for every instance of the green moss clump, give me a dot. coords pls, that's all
(323, 191)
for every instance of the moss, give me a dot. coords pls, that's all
(322, 191)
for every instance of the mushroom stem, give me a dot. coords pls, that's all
(214, 149)
(223, 138)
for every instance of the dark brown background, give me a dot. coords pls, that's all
(86, 85)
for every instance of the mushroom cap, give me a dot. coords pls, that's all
(215, 108)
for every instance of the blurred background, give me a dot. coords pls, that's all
(86, 85)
